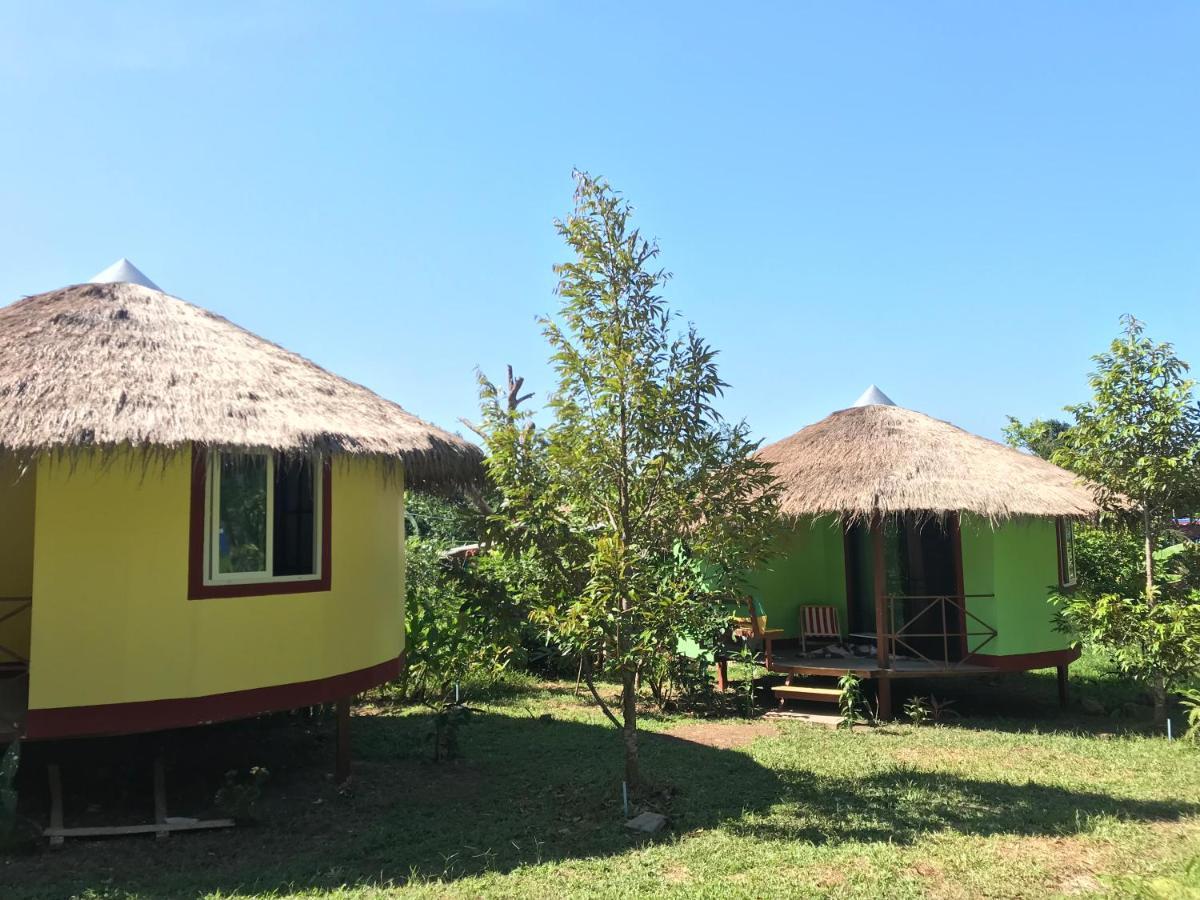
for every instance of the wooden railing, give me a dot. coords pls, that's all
(10, 607)
(951, 609)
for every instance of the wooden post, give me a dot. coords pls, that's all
(882, 655)
(1063, 696)
(342, 772)
(56, 804)
(722, 675)
(960, 585)
(160, 799)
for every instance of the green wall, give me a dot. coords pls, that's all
(1018, 563)
(807, 568)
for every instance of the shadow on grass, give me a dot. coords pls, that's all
(527, 791)
(900, 806)
(1025, 702)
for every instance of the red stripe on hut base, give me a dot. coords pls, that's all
(159, 715)
(1022, 662)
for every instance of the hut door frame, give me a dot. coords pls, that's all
(860, 614)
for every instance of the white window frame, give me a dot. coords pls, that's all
(1067, 557)
(212, 525)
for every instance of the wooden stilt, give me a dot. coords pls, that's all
(56, 803)
(161, 827)
(884, 704)
(722, 675)
(882, 655)
(342, 772)
(1063, 695)
(160, 800)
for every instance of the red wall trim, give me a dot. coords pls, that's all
(1023, 661)
(158, 715)
(198, 590)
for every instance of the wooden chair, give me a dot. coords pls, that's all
(818, 622)
(746, 628)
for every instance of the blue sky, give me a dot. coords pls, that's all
(954, 200)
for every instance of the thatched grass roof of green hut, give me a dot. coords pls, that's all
(114, 365)
(881, 459)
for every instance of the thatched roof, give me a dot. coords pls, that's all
(111, 365)
(878, 459)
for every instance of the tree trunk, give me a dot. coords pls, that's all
(633, 776)
(1158, 689)
(1148, 533)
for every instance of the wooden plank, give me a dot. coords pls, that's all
(806, 688)
(58, 833)
(818, 694)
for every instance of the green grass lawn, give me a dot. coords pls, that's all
(1016, 799)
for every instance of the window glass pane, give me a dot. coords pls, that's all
(242, 514)
(295, 517)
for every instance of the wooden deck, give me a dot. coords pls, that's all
(868, 667)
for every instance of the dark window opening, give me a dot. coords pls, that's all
(295, 518)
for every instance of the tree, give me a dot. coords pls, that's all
(1041, 437)
(1138, 442)
(635, 476)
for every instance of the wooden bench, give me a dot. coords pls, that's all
(748, 628)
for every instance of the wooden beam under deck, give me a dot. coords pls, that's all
(865, 667)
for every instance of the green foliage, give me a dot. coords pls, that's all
(692, 683)
(634, 466)
(917, 710)
(1109, 560)
(1138, 442)
(1157, 644)
(1190, 699)
(446, 722)
(454, 625)
(940, 711)
(238, 797)
(747, 661)
(853, 704)
(1138, 439)
(1041, 437)
(9, 763)
(441, 520)
(464, 618)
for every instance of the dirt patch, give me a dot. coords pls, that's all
(929, 757)
(723, 735)
(827, 876)
(676, 873)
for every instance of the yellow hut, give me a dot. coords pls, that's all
(195, 524)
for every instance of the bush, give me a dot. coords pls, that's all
(1155, 643)
(450, 633)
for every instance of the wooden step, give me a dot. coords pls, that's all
(807, 692)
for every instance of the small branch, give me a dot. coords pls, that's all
(478, 429)
(603, 706)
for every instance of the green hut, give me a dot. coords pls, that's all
(909, 547)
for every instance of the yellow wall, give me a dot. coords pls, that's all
(112, 621)
(16, 552)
